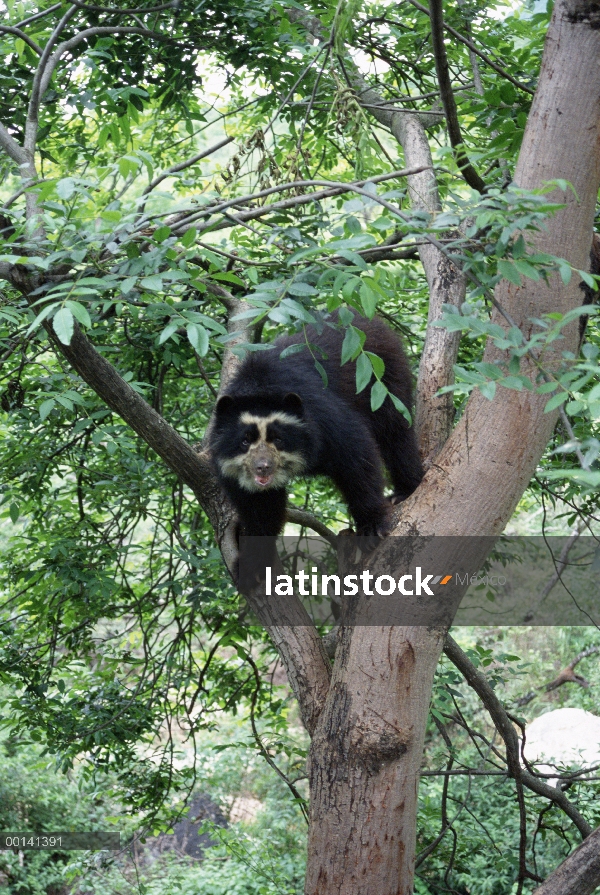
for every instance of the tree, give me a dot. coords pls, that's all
(128, 289)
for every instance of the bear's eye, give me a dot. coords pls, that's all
(278, 442)
(245, 443)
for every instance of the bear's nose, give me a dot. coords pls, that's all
(263, 467)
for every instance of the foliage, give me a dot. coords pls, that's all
(480, 853)
(205, 178)
(34, 797)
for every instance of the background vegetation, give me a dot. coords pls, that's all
(189, 158)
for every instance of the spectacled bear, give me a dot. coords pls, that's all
(278, 420)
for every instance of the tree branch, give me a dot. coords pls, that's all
(469, 43)
(98, 31)
(579, 874)
(441, 66)
(173, 4)
(36, 93)
(307, 520)
(38, 15)
(505, 728)
(9, 29)
(187, 164)
(333, 189)
(299, 646)
(566, 676)
(434, 415)
(12, 148)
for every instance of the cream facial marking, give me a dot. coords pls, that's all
(261, 422)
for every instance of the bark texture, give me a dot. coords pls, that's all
(579, 874)
(369, 739)
(365, 761)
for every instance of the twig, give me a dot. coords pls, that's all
(307, 520)
(505, 728)
(173, 4)
(468, 43)
(9, 29)
(333, 189)
(441, 66)
(566, 676)
(36, 92)
(38, 15)
(186, 164)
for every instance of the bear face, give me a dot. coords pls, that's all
(260, 448)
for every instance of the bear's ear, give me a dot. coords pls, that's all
(225, 405)
(293, 403)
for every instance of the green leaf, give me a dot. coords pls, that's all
(509, 272)
(555, 401)
(401, 408)
(189, 238)
(297, 310)
(588, 279)
(301, 289)
(565, 272)
(488, 390)
(46, 408)
(546, 387)
(345, 316)
(378, 364)
(364, 371)
(351, 344)
(63, 324)
(152, 283)
(80, 313)
(489, 370)
(585, 476)
(65, 188)
(198, 337)
(15, 512)
(103, 136)
(322, 372)
(41, 316)
(168, 331)
(378, 395)
(527, 270)
(368, 300)
(128, 284)
(161, 234)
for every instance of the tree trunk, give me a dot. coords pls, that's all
(368, 743)
(365, 762)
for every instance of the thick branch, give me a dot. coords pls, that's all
(505, 728)
(469, 43)
(300, 647)
(449, 103)
(579, 874)
(12, 148)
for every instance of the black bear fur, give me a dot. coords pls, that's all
(309, 429)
